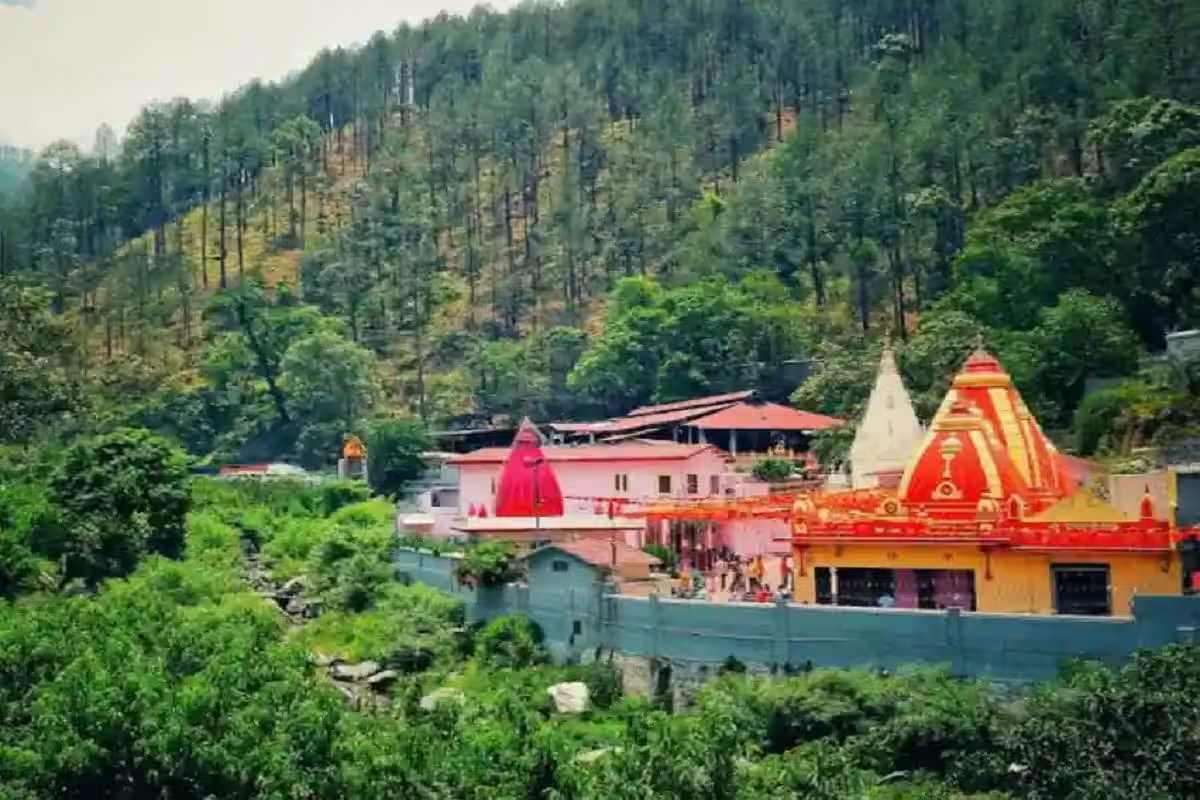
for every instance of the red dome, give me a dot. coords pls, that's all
(961, 463)
(983, 384)
(528, 486)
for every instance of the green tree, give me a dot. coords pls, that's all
(331, 386)
(394, 453)
(1082, 336)
(124, 495)
(38, 386)
(1042, 240)
(1159, 219)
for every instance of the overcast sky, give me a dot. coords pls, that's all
(68, 65)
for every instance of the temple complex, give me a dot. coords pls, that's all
(889, 432)
(986, 516)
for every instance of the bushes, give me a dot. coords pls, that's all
(411, 628)
(490, 563)
(352, 563)
(510, 642)
(772, 470)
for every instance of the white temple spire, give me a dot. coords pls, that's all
(889, 432)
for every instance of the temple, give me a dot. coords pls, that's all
(889, 432)
(986, 516)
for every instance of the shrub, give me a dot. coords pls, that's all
(772, 470)
(351, 567)
(490, 563)
(663, 554)
(411, 628)
(511, 641)
(336, 495)
(604, 684)
(211, 541)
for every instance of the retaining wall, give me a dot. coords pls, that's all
(583, 620)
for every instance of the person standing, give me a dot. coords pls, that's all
(785, 573)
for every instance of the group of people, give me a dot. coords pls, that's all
(737, 578)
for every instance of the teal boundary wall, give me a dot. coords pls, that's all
(581, 617)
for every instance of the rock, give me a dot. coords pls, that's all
(322, 660)
(295, 585)
(296, 606)
(432, 700)
(591, 756)
(570, 698)
(355, 672)
(381, 679)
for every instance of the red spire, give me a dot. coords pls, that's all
(528, 486)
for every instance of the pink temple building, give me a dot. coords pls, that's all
(533, 492)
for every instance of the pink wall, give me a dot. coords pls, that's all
(586, 479)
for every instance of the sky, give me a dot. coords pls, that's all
(68, 65)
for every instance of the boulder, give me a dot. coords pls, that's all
(570, 698)
(295, 585)
(438, 696)
(381, 679)
(355, 672)
(592, 756)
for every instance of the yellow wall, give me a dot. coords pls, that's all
(1020, 582)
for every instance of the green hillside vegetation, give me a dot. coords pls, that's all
(570, 209)
(155, 671)
(137, 660)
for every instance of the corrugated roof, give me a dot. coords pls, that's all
(599, 553)
(627, 424)
(765, 417)
(665, 451)
(713, 400)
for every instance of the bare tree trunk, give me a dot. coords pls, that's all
(221, 253)
(241, 224)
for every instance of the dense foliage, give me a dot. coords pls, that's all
(179, 680)
(447, 207)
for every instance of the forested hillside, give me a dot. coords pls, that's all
(572, 208)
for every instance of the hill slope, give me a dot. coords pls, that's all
(463, 197)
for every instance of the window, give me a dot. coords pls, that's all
(714, 484)
(493, 487)
(664, 484)
(576, 628)
(1081, 589)
(558, 565)
(693, 484)
(621, 482)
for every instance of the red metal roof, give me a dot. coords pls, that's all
(665, 451)
(716, 399)
(599, 553)
(765, 417)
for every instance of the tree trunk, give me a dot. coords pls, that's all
(204, 241)
(291, 198)
(814, 266)
(241, 225)
(303, 207)
(221, 253)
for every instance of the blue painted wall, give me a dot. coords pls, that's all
(1001, 647)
